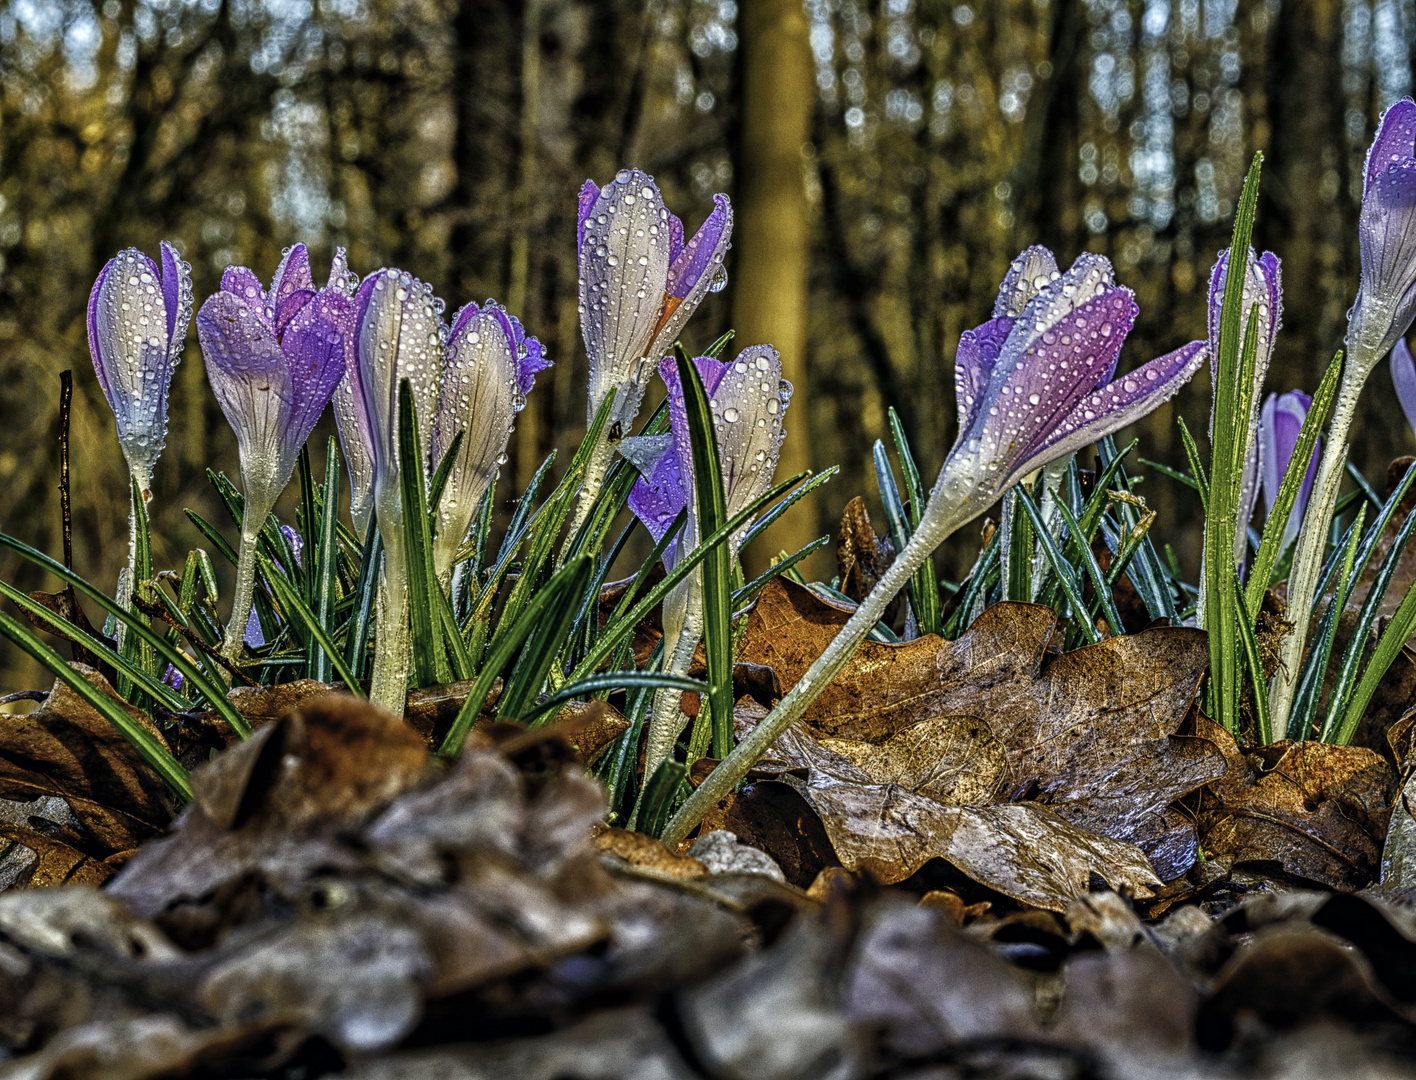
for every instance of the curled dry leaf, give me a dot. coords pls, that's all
(1091, 736)
(1022, 850)
(1317, 810)
(55, 862)
(862, 557)
(67, 749)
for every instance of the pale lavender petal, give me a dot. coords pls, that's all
(695, 271)
(624, 264)
(749, 405)
(1267, 441)
(1282, 424)
(399, 336)
(134, 358)
(339, 276)
(297, 544)
(242, 282)
(172, 289)
(1387, 244)
(1263, 286)
(291, 276)
(254, 636)
(530, 354)
(1028, 275)
(480, 397)
(290, 307)
(314, 344)
(589, 192)
(675, 236)
(1114, 406)
(1395, 140)
(973, 365)
(251, 381)
(1403, 377)
(711, 372)
(356, 441)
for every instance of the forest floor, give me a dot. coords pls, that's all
(976, 858)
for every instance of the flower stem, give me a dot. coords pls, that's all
(388, 687)
(683, 629)
(1312, 543)
(595, 470)
(251, 521)
(722, 780)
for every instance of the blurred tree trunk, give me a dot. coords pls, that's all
(770, 231)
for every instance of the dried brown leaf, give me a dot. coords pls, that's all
(1319, 811)
(55, 863)
(67, 749)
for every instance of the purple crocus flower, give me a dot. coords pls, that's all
(137, 323)
(273, 359)
(490, 367)
(356, 436)
(1403, 377)
(1280, 421)
(640, 280)
(748, 399)
(1033, 388)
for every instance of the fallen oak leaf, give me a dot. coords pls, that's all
(55, 862)
(1022, 850)
(1091, 735)
(1318, 810)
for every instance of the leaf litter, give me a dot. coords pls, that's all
(975, 858)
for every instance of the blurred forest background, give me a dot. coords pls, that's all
(886, 158)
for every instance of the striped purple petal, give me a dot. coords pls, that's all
(697, 269)
(1403, 377)
(973, 365)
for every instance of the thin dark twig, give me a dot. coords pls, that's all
(25, 695)
(154, 610)
(66, 397)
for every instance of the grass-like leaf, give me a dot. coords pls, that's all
(606, 681)
(429, 654)
(541, 648)
(925, 583)
(1100, 585)
(324, 568)
(659, 796)
(1263, 721)
(717, 581)
(298, 614)
(1071, 588)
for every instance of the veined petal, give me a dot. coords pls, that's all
(480, 397)
(133, 354)
(314, 345)
(973, 365)
(1028, 275)
(176, 297)
(242, 283)
(624, 265)
(697, 269)
(290, 307)
(1279, 425)
(356, 440)
(339, 276)
(398, 336)
(589, 192)
(1263, 285)
(1114, 406)
(291, 276)
(1048, 373)
(748, 409)
(711, 372)
(250, 378)
(661, 492)
(1403, 377)
(1387, 230)
(1395, 140)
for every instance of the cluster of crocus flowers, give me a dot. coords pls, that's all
(640, 281)
(1035, 384)
(1379, 318)
(748, 399)
(137, 324)
(273, 357)
(471, 379)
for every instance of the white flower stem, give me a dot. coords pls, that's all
(595, 470)
(683, 629)
(388, 687)
(931, 533)
(1312, 543)
(252, 519)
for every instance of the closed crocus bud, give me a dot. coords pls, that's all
(490, 367)
(1386, 297)
(137, 323)
(273, 359)
(356, 437)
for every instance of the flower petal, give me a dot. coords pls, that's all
(697, 269)
(251, 381)
(480, 397)
(314, 344)
(1028, 275)
(291, 276)
(660, 493)
(128, 334)
(624, 265)
(398, 336)
(589, 192)
(339, 276)
(1114, 406)
(1395, 140)
(1403, 377)
(242, 283)
(973, 365)
(176, 281)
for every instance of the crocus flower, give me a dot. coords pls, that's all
(273, 359)
(1379, 317)
(489, 369)
(472, 380)
(640, 280)
(1263, 290)
(137, 323)
(748, 399)
(356, 437)
(1032, 388)
(1403, 377)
